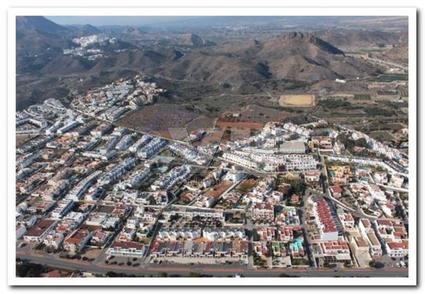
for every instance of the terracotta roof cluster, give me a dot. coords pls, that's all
(39, 228)
(128, 245)
(325, 216)
(77, 237)
(335, 245)
(366, 223)
(398, 245)
(336, 189)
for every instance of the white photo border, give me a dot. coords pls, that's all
(411, 13)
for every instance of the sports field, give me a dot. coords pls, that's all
(297, 100)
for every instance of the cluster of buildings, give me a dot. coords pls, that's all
(337, 237)
(272, 162)
(72, 226)
(198, 235)
(189, 153)
(325, 232)
(112, 101)
(208, 245)
(368, 185)
(35, 119)
(78, 183)
(393, 237)
(132, 240)
(151, 148)
(167, 181)
(290, 191)
(394, 157)
(89, 47)
(280, 246)
(277, 148)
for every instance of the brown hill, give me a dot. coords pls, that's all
(293, 56)
(361, 38)
(398, 54)
(36, 35)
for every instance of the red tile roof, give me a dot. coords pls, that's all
(398, 245)
(129, 245)
(40, 227)
(325, 216)
(336, 189)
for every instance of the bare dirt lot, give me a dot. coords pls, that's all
(297, 100)
(201, 122)
(219, 189)
(21, 139)
(158, 118)
(239, 124)
(212, 137)
(93, 253)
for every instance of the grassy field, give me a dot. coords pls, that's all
(298, 100)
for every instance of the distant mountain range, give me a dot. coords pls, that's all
(191, 23)
(361, 38)
(236, 65)
(292, 56)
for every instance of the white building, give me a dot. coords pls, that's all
(127, 248)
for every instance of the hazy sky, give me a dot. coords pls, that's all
(167, 22)
(115, 20)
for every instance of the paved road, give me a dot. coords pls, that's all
(391, 188)
(216, 270)
(309, 247)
